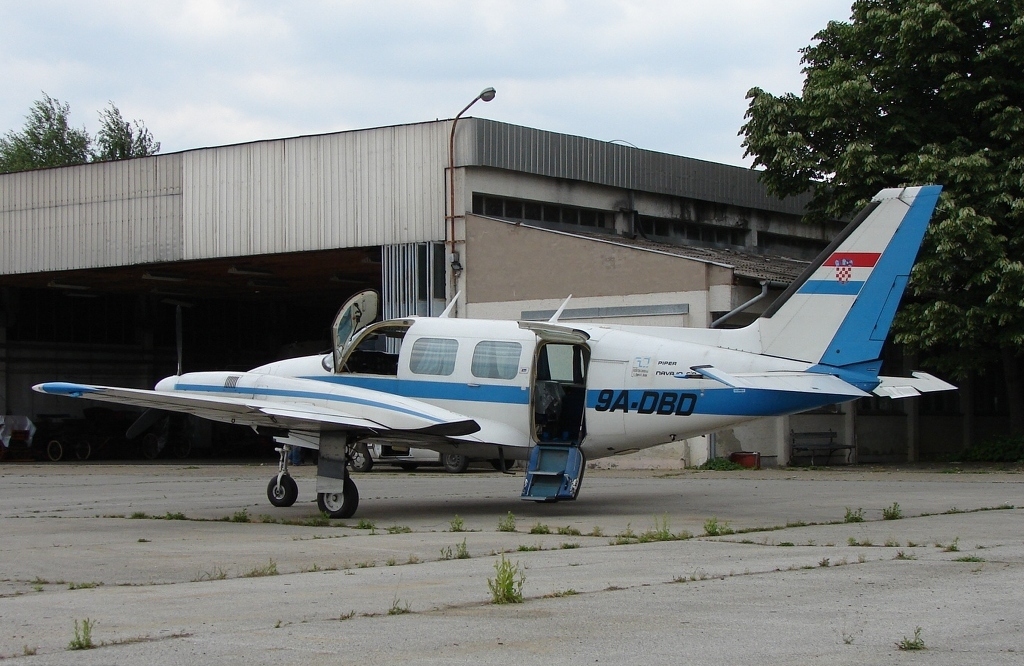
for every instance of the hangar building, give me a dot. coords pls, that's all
(256, 245)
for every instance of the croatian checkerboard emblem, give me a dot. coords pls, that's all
(844, 270)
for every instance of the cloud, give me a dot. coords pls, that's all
(666, 75)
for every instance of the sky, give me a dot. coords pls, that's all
(665, 75)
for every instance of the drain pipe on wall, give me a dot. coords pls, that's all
(735, 311)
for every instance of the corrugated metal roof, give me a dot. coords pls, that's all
(515, 148)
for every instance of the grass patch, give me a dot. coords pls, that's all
(712, 527)
(568, 530)
(915, 643)
(569, 545)
(83, 586)
(596, 532)
(561, 593)
(824, 562)
(241, 516)
(397, 608)
(365, 524)
(523, 548)
(399, 529)
(461, 551)
(720, 465)
(624, 537)
(456, 524)
(853, 516)
(507, 585)
(864, 543)
(175, 515)
(508, 523)
(969, 558)
(540, 529)
(784, 543)
(953, 547)
(216, 574)
(268, 569)
(892, 512)
(139, 515)
(83, 635)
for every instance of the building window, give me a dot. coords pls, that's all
(496, 360)
(565, 217)
(433, 356)
(675, 230)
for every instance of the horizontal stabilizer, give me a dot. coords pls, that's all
(797, 382)
(908, 387)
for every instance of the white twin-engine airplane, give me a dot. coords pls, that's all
(558, 395)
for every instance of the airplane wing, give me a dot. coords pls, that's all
(908, 387)
(370, 411)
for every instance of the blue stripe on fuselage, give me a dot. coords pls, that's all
(732, 402)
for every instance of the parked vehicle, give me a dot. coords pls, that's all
(410, 458)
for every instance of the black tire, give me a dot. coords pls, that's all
(455, 463)
(361, 460)
(408, 467)
(149, 447)
(340, 505)
(496, 464)
(54, 450)
(83, 450)
(285, 494)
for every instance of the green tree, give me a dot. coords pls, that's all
(914, 92)
(119, 139)
(47, 139)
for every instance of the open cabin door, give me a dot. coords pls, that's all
(356, 314)
(558, 407)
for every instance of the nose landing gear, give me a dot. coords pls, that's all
(282, 490)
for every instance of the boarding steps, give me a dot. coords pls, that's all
(554, 472)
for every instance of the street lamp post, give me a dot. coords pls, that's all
(487, 94)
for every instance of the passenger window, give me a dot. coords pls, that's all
(433, 356)
(496, 360)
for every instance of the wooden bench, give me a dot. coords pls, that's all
(818, 442)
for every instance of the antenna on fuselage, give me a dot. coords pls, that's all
(558, 312)
(448, 310)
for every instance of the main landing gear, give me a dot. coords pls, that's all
(282, 491)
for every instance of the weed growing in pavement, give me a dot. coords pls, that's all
(508, 523)
(507, 585)
(446, 553)
(216, 574)
(953, 547)
(915, 643)
(461, 551)
(568, 531)
(712, 527)
(540, 529)
(569, 545)
(456, 524)
(824, 562)
(562, 593)
(892, 512)
(969, 558)
(397, 608)
(176, 515)
(365, 524)
(82, 586)
(139, 515)
(596, 532)
(900, 555)
(399, 529)
(854, 516)
(268, 569)
(523, 548)
(241, 516)
(83, 635)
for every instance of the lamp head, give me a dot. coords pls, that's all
(487, 94)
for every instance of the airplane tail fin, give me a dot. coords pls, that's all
(839, 311)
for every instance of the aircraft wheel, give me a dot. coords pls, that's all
(149, 447)
(455, 463)
(340, 505)
(54, 450)
(496, 464)
(284, 494)
(83, 450)
(361, 459)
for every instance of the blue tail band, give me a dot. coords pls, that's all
(860, 336)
